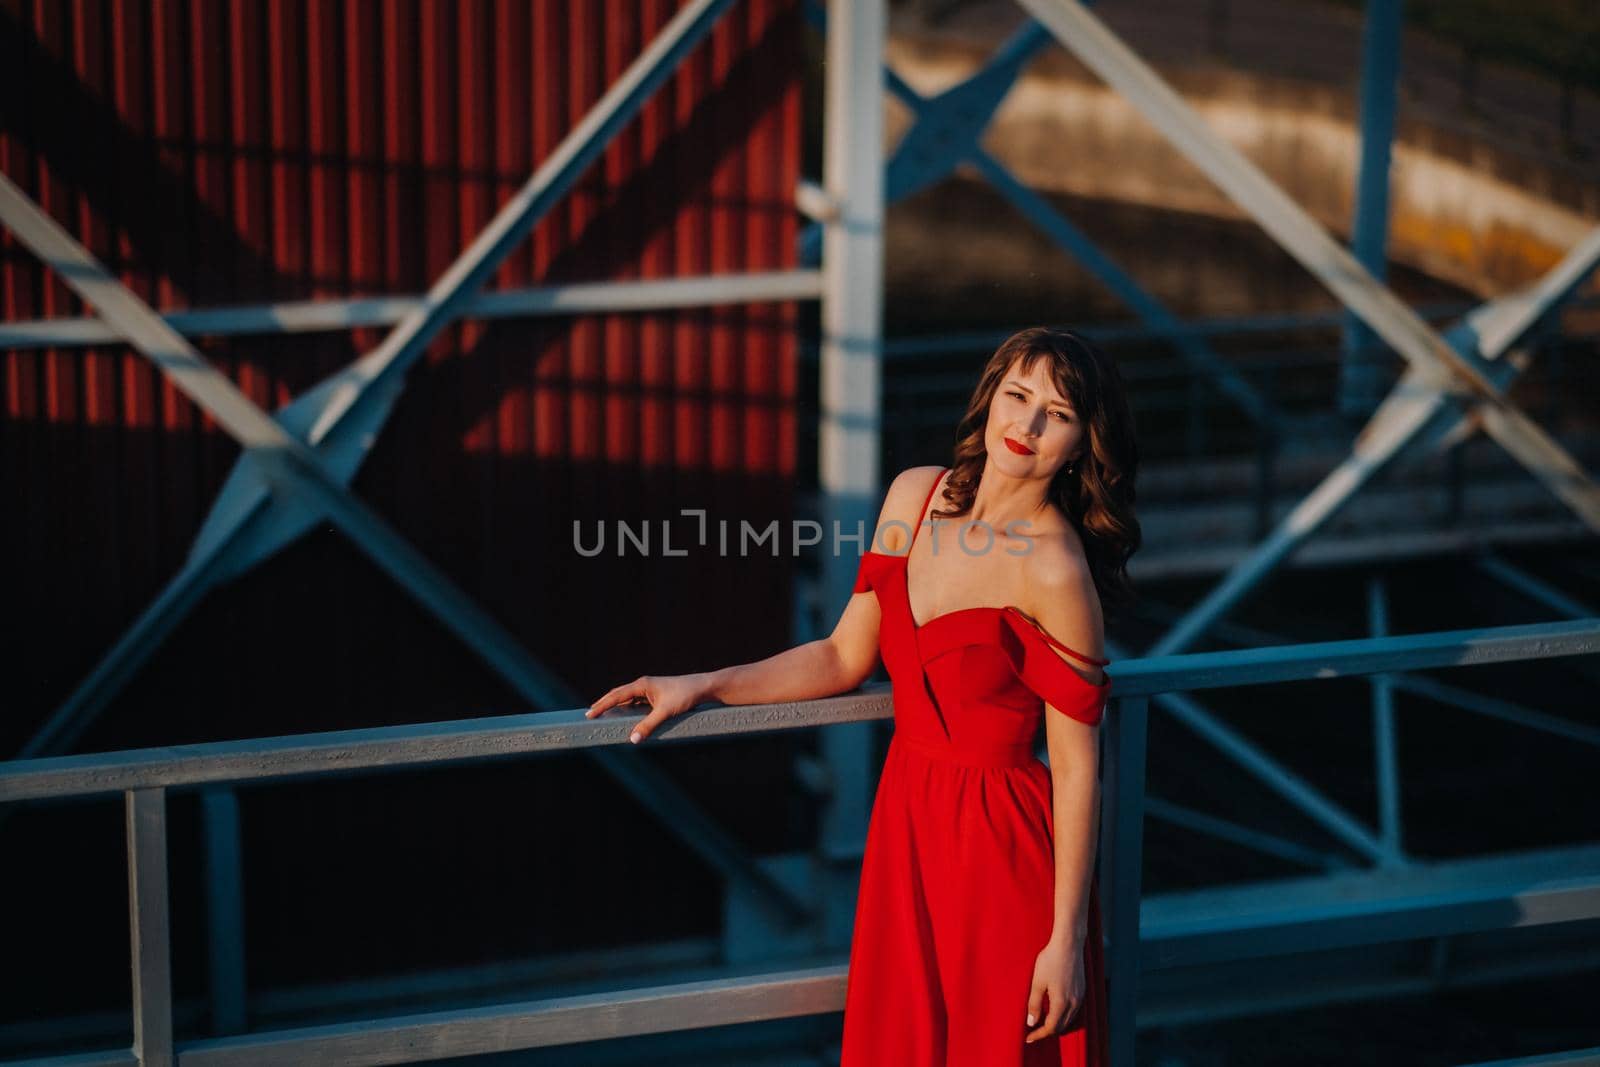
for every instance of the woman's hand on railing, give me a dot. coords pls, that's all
(667, 695)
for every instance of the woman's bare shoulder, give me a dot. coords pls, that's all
(915, 481)
(1054, 559)
(1060, 589)
(902, 504)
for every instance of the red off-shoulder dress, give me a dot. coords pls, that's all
(957, 882)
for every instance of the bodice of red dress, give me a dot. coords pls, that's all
(974, 681)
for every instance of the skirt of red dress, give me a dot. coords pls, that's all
(956, 902)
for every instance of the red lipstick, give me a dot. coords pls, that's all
(1019, 449)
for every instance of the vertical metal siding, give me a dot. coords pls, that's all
(217, 154)
(266, 150)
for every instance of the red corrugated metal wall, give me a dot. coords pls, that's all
(251, 151)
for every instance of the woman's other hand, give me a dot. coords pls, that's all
(667, 695)
(1058, 974)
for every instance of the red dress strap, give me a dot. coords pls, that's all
(1074, 653)
(918, 527)
(875, 563)
(1049, 676)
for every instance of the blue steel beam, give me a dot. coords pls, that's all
(1316, 912)
(135, 645)
(1577, 1057)
(1122, 885)
(1384, 742)
(946, 127)
(149, 926)
(323, 316)
(1380, 70)
(1476, 894)
(1274, 845)
(341, 416)
(278, 467)
(942, 128)
(1162, 322)
(1496, 708)
(224, 874)
(388, 748)
(1124, 333)
(1261, 765)
(1416, 413)
(1385, 847)
(1431, 358)
(945, 133)
(849, 390)
(1523, 890)
(1535, 589)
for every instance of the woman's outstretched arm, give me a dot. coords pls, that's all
(834, 664)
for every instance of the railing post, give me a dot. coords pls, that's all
(1123, 817)
(1386, 755)
(224, 909)
(148, 926)
(850, 373)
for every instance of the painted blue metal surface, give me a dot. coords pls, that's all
(1122, 829)
(509, 736)
(1457, 902)
(945, 133)
(947, 127)
(1234, 832)
(224, 875)
(1385, 750)
(1360, 381)
(283, 461)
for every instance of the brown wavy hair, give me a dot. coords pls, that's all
(1097, 493)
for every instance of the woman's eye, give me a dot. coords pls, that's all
(1015, 394)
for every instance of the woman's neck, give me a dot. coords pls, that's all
(1001, 500)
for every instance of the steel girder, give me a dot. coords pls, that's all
(296, 465)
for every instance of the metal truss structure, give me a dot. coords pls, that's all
(298, 464)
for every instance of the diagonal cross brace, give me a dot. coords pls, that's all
(1438, 368)
(277, 465)
(1503, 320)
(343, 415)
(945, 133)
(954, 120)
(1434, 360)
(287, 466)
(1413, 415)
(1416, 413)
(946, 127)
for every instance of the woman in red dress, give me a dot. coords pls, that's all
(977, 939)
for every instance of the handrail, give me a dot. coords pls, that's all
(428, 744)
(144, 776)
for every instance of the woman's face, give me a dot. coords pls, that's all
(1032, 431)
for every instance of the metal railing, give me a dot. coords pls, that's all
(146, 777)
